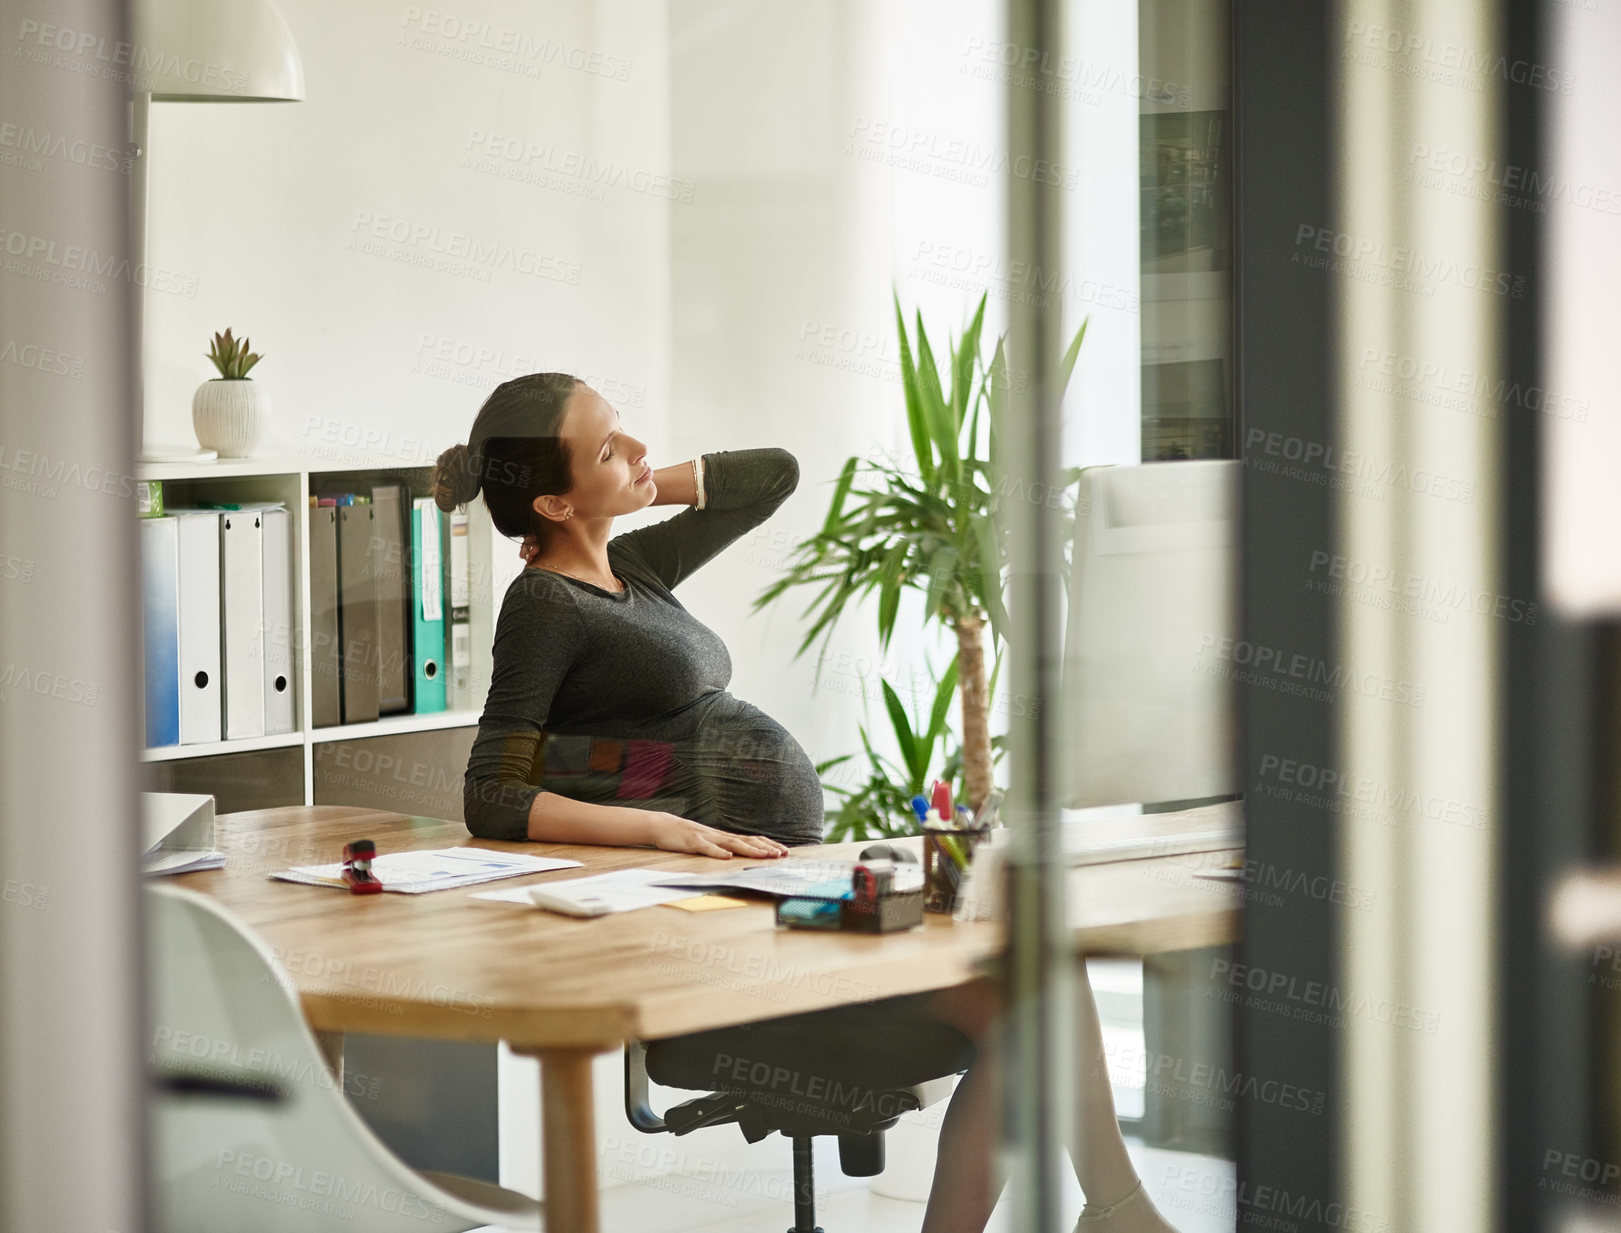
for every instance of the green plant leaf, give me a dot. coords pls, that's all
(971, 441)
(938, 417)
(997, 397)
(889, 596)
(841, 490)
(916, 424)
(1067, 367)
(963, 361)
(942, 573)
(990, 564)
(911, 752)
(874, 760)
(941, 713)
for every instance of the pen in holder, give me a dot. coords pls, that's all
(948, 851)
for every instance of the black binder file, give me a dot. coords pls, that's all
(326, 693)
(390, 502)
(357, 610)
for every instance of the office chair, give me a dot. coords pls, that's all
(252, 1133)
(824, 1073)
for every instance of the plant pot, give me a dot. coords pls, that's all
(230, 416)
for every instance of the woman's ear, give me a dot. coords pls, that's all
(553, 508)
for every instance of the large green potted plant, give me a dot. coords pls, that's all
(931, 524)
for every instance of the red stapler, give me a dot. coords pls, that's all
(357, 874)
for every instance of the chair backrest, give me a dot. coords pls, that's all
(1150, 654)
(223, 1008)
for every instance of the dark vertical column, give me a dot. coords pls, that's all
(1556, 726)
(1283, 77)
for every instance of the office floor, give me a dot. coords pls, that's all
(1193, 1192)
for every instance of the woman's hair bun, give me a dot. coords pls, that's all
(456, 481)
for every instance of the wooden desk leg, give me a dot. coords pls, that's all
(332, 1050)
(568, 1158)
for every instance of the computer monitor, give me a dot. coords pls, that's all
(1147, 693)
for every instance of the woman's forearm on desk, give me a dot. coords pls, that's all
(562, 819)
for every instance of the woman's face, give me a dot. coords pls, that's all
(610, 469)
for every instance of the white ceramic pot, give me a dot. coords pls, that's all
(230, 416)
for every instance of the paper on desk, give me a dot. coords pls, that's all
(413, 873)
(795, 876)
(625, 889)
(178, 829)
(182, 860)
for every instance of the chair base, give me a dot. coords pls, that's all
(804, 1187)
(849, 1071)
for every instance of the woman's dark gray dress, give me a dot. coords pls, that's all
(621, 699)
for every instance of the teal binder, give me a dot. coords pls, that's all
(427, 608)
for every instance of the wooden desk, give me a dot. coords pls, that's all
(448, 966)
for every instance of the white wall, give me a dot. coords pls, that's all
(271, 209)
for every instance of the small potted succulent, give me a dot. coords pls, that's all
(229, 412)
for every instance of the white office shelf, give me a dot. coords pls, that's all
(292, 479)
(278, 464)
(393, 725)
(223, 469)
(212, 749)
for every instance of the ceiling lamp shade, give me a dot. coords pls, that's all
(215, 51)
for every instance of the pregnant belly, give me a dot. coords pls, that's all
(722, 761)
(750, 772)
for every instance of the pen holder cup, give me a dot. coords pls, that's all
(947, 854)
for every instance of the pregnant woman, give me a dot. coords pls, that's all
(608, 719)
(643, 744)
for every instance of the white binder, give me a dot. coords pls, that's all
(242, 588)
(278, 621)
(199, 627)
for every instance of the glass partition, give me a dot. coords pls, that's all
(797, 243)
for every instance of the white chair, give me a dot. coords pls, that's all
(297, 1156)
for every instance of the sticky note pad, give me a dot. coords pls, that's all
(708, 903)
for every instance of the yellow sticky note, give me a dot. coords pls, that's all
(708, 903)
